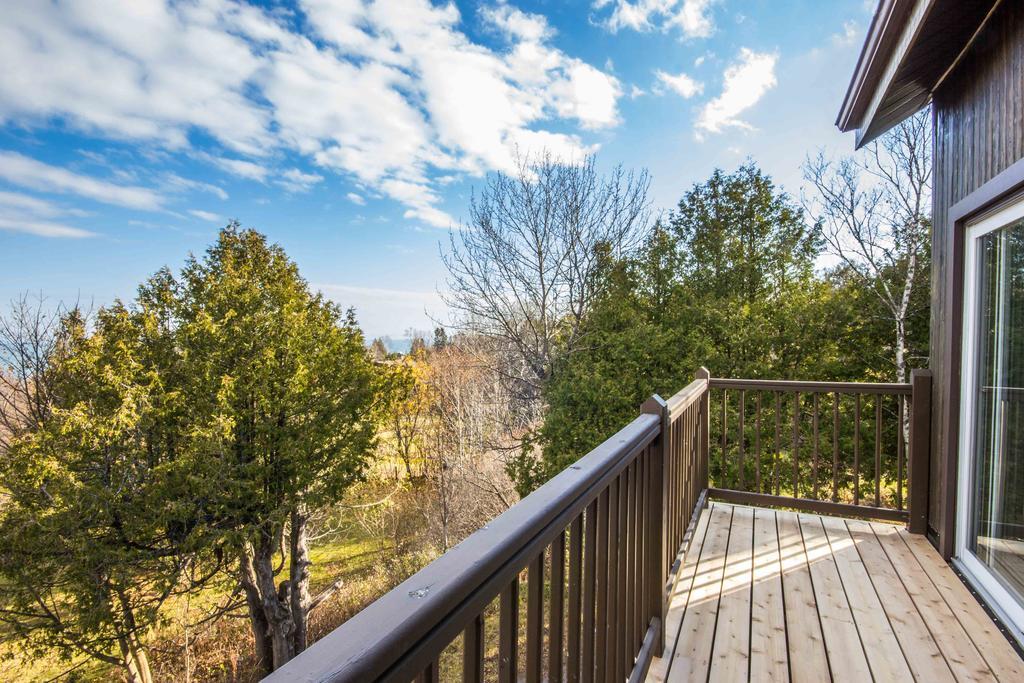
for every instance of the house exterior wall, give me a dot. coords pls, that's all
(978, 116)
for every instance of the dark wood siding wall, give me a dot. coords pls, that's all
(979, 132)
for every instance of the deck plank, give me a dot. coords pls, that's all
(842, 640)
(776, 596)
(919, 648)
(808, 662)
(954, 643)
(768, 654)
(885, 656)
(678, 599)
(731, 655)
(1001, 658)
(692, 658)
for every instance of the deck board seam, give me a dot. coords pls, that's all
(956, 612)
(782, 586)
(874, 588)
(842, 584)
(670, 656)
(814, 594)
(718, 604)
(750, 592)
(906, 589)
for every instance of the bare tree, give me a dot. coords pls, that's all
(874, 213)
(30, 333)
(469, 414)
(521, 271)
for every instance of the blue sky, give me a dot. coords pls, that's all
(353, 132)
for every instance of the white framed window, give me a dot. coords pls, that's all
(990, 496)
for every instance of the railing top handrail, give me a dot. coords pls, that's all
(370, 643)
(686, 397)
(895, 388)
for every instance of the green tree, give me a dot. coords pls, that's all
(285, 376)
(635, 341)
(103, 518)
(727, 282)
(747, 260)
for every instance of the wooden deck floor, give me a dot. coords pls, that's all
(769, 595)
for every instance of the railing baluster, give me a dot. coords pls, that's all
(572, 667)
(620, 592)
(817, 440)
(535, 619)
(742, 439)
(778, 441)
(835, 447)
(878, 450)
(611, 587)
(556, 619)
(638, 576)
(757, 446)
(856, 452)
(473, 651)
(589, 593)
(796, 444)
(725, 440)
(602, 583)
(900, 452)
(431, 673)
(508, 634)
(629, 573)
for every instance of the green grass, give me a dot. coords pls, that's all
(350, 554)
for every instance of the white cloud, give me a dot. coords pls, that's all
(388, 94)
(239, 167)
(42, 228)
(177, 182)
(691, 17)
(744, 83)
(27, 172)
(849, 35)
(295, 180)
(681, 84)
(694, 18)
(131, 70)
(28, 214)
(355, 198)
(208, 216)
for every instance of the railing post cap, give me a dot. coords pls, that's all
(703, 373)
(655, 405)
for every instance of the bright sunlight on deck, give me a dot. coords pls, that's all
(773, 595)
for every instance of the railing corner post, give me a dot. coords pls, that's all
(705, 426)
(657, 557)
(920, 449)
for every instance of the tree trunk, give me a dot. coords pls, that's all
(269, 606)
(257, 619)
(299, 578)
(136, 663)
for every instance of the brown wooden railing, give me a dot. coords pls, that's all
(832, 447)
(599, 546)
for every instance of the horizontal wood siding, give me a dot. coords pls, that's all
(979, 132)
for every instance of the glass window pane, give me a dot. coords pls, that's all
(997, 510)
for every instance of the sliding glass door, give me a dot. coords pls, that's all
(990, 506)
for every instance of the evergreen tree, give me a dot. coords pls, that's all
(104, 516)
(728, 282)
